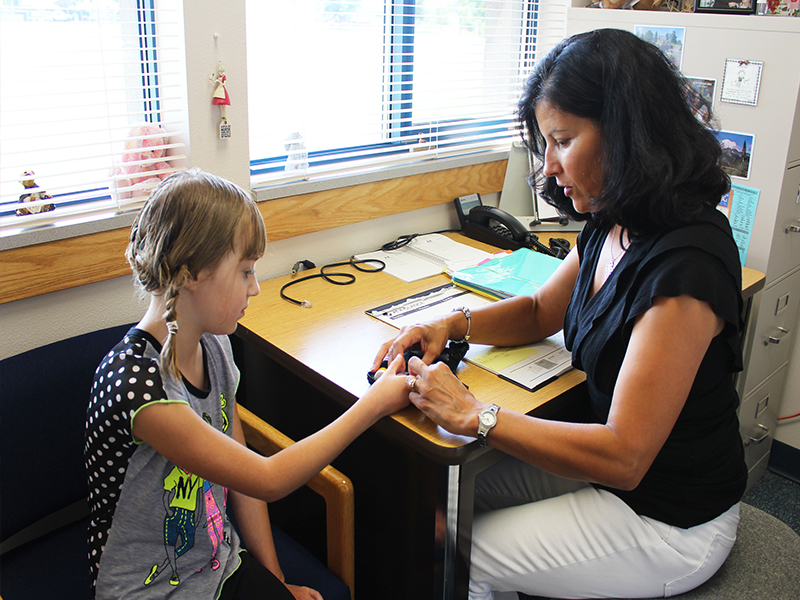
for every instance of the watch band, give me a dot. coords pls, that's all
(467, 313)
(486, 421)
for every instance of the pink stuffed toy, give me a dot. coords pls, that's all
(138, 159)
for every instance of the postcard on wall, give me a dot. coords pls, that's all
(702, 100)
(741, 81)
(668, 39)
(724, 205)
(737, 152)
(741, 203)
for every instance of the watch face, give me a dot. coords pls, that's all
(488, 418)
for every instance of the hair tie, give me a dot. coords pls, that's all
(172, 327)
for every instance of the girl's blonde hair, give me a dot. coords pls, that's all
(190, 222)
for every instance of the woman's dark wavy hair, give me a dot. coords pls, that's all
(660, 163)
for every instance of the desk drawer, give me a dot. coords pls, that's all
(757, 418)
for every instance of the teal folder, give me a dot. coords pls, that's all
(519, 273)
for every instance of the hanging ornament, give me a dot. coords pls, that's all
(221, 99)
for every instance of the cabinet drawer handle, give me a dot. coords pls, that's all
(793, 228)
(776, 339)
(757, 440)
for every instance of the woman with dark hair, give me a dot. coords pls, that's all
(660, 164)
(641, 498)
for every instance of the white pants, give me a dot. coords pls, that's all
(548, 536)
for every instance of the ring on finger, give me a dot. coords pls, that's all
(411, 382)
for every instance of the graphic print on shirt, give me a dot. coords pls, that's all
(214, 516)
(214, 525)
(183, 512)
(224, 404)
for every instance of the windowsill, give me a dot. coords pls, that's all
(51, 233)
(52, 259)
(267, 192)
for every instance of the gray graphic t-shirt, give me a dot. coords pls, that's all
(156, 531)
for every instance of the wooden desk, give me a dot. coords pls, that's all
(324, 354)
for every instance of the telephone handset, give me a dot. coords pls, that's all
(497, 227)
(499, 222)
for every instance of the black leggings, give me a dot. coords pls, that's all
(253, 581)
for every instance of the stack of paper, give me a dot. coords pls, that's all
(427, 255)
(516, 274)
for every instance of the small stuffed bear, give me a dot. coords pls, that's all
(136, 151)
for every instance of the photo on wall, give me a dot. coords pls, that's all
(737, 152)
(736, 7)
(702, 97)
(741, 81)
(668, 39)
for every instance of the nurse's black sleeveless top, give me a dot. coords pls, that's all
(700, 471)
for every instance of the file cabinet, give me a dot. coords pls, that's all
(757, 422)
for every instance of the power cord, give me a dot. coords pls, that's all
(343, 278)
(306, 264)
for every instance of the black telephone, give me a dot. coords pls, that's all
(497, 227)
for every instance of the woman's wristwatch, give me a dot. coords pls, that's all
(486, 420)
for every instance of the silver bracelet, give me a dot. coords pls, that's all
(468, 314)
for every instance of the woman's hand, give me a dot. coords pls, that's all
(304, 593)
(443, 398)
(432, 338)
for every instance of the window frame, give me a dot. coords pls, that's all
(152, 112)
(402, 30)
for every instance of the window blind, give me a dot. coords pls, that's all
(91, 108)
(343, 87)
(553, 25)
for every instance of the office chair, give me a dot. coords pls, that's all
(44, 514)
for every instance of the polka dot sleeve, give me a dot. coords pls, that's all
(127, 379)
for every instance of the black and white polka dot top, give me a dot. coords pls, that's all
(109, 442)
(128, 379)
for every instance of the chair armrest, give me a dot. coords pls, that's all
(334, 487)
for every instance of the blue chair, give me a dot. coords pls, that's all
(43, 490)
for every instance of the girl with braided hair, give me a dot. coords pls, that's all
(165, 450)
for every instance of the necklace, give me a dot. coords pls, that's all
(612, 264)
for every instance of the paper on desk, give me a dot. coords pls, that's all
(528, 366)
(426, 256)
(427, 305)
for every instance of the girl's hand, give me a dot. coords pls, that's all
(443, 398)
(432, 338)
(389, 393)
(304, 593)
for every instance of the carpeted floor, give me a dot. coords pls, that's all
(778, 496)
